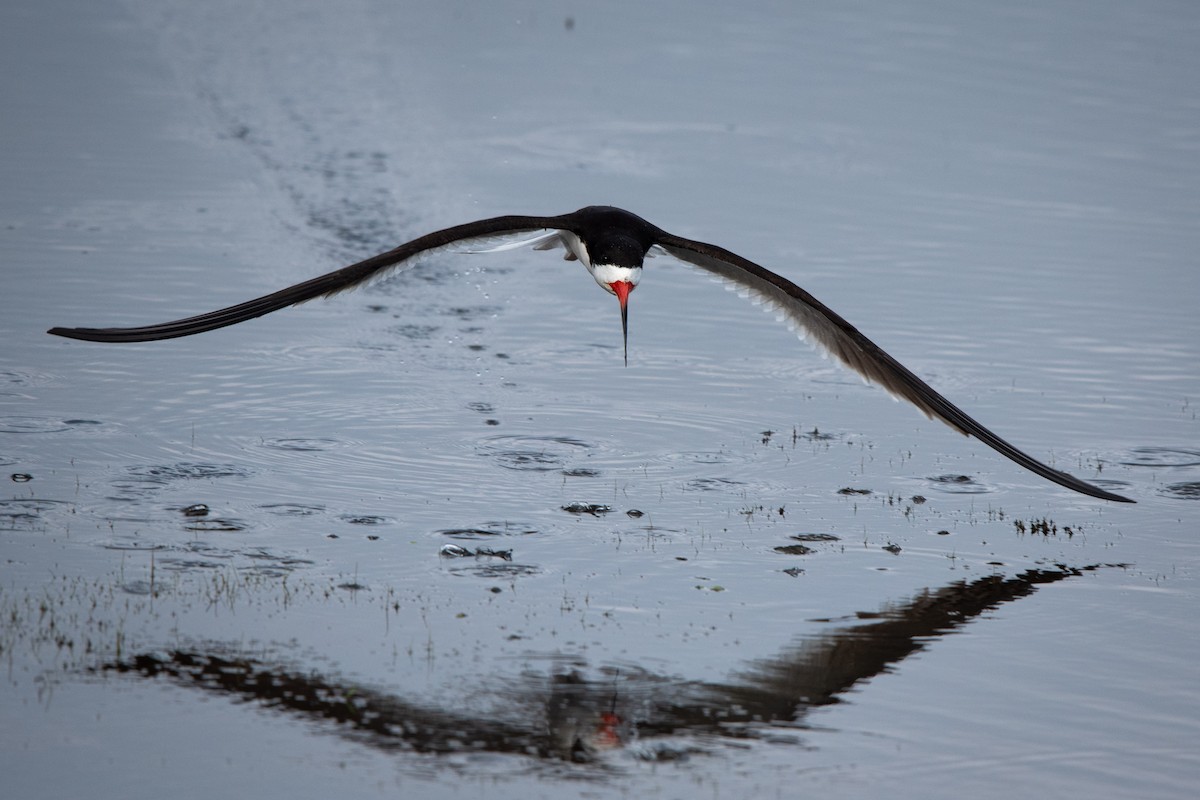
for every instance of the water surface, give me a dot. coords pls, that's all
(729, 565)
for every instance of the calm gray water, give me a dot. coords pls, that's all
(730, 569)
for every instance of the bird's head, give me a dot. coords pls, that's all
(616, 265)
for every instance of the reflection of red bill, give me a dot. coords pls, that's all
(608, 734)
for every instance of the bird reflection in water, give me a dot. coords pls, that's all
(566, 716)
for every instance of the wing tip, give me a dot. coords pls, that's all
(104, 335)
(69, 333)
(1116, 498)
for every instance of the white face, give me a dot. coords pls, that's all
(606, 274)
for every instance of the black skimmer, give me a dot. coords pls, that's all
(612, 244)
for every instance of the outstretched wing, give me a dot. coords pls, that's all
(842, 340)
(486, 233)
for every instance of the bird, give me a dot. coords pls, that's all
(613, 245)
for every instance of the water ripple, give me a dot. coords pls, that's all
(959, 484)
(711, 484)
(487, 530)
(167, 473)
(25, 514)
(303, 445)
(1162, 457)
(495, 570)
(292, 509)
(132, 545)
(365, 519)
(533, 453)
(216, 525)
(24, 377)
(1189, 490)
(704, 457)
(30, 424)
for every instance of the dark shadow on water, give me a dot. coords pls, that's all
(573, 712)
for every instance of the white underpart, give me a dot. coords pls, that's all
(539, 240)
(575, 247)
